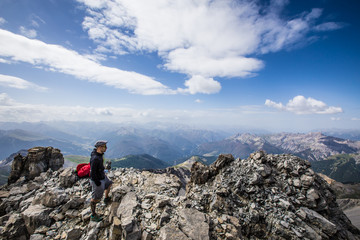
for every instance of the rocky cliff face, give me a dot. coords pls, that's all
(38, 160)
(261, 197)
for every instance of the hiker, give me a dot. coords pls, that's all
(98, 180)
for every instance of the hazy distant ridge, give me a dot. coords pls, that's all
(310, 146)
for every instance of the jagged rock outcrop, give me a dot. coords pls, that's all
(262, 197)
(38, 160)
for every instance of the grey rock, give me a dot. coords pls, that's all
(37, 237)
(36, 216)
(54, 197)
(38, 160)
(74, 233)
(262, 197)
(15, 228)
(67, 178)
(171, 231)
(193, 223)
(126, 213)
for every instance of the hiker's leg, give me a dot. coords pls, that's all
(96, 195)
(93, 206)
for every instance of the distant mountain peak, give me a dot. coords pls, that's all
(313, 146)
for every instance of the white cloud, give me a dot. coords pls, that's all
(328, 26)
(14, 111)
(30, 33)
(57, 58)
(2, 21)
(211, 38)
(302, 105)
(199, 84)
(199, 101)
(196, 62)
(4, 61)
(5, 100)
(15, 82)
(36, 20)
(335, 119)
(355, 119)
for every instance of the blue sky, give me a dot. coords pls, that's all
(277, 65)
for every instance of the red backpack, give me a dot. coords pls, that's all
(83, 170)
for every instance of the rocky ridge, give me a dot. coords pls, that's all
(262, 197)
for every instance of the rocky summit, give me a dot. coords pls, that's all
(262, 197)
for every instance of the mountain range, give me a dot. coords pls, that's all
(313, 146)
(169, 143)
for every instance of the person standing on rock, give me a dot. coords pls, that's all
(98, 180)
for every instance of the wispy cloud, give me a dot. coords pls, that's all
(328, 26)
(5, 100)
(207, 39)
(15, 82)
(59, 59)
(335, 119)
(2, 21)
(30, 33)
(14, 111)
(35, 20)
(302, 105)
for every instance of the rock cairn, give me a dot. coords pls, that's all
(262, 197)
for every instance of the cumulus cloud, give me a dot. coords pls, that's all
(15, 82)
(302, 105)
(56, 58)
(199, 84)
(211, 38)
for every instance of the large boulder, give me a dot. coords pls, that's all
(193, 223)
(127, 215)
(38, 160)
(67, 177)
(15, 228)
(54, 197)
(36, 216)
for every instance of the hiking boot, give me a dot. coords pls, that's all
(96, 218)
(107, 200)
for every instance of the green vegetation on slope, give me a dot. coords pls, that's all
(342, 168)
(4, 174)
(142, 161)
(77, 158)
